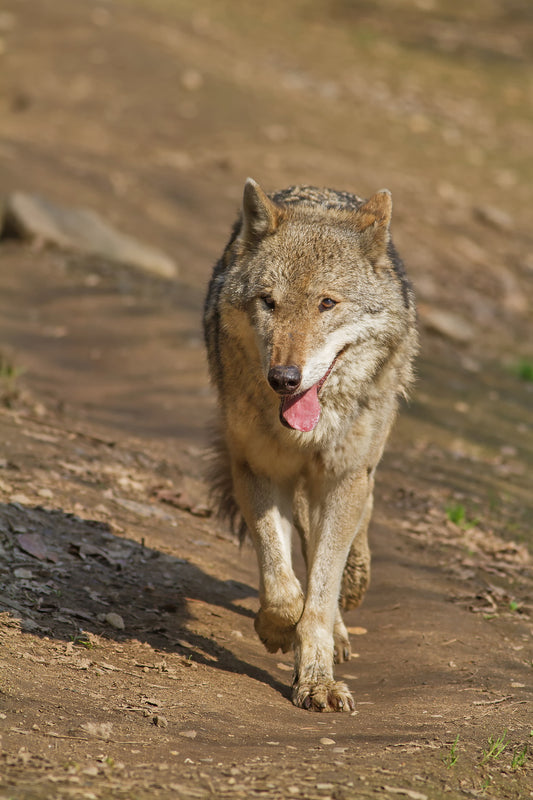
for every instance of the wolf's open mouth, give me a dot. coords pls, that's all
(301, 412)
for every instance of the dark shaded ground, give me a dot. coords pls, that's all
(153, 114)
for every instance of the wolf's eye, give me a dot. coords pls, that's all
(326, 304)
(268, 301)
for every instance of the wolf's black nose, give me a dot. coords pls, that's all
(284, 380)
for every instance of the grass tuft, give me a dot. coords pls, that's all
(9, 374)
(519, 757)
(495, 748)
(451, 759)
(523, 369)
(457, 514)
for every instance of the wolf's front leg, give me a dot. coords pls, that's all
(335, 522)
(267, 512)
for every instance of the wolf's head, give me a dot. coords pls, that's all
(320, 292)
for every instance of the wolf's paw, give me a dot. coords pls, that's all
(275, 633)
(325, 696)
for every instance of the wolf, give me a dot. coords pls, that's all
(310, 328)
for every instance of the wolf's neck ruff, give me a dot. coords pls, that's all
(301, 412)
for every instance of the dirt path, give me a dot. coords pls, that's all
(129, 667)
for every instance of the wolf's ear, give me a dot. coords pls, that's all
(376, 212)
(372, 219)
(260, 216)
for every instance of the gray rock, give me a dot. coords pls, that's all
(80, 230)
(447, 323)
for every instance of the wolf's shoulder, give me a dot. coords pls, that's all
(327, 199)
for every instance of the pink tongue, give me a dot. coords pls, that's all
(302, 411)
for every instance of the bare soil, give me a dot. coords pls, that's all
(129, 666)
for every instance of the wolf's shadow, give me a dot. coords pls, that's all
(61, 575)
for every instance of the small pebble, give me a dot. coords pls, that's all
(327, 741)
(495, 218)
(20, 498)
(115, 620)
(25, 574)
(192, 80)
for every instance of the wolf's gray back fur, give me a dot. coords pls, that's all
(314, 196)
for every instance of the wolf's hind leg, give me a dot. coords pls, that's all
(341, 643)
(356, 575)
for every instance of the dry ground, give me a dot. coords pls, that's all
(129, 667)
